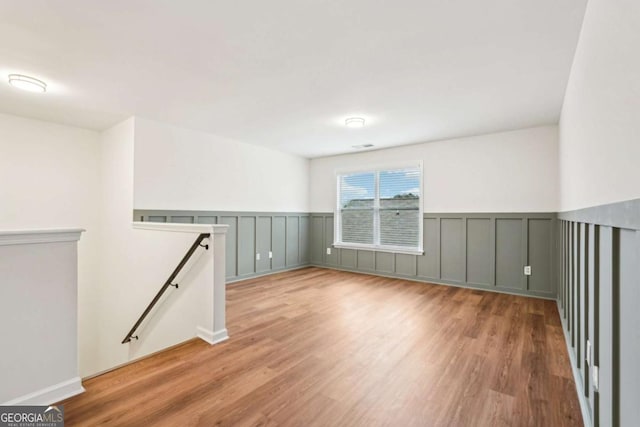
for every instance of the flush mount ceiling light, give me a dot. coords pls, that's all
(27, 83)
(354, 122)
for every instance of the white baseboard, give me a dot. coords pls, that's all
(50, 395)
(212, 337)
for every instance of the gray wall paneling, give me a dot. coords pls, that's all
(510, 254)
(303, 240)
(429, 264)
(480, 242)
(232, 245)
(293, 241)
(333, 258)
(628, 322)
(459, 249)
(366, 260)
(246, 246)
(317, 243)
(604, 352)
(598, 300)
(452, 250)
(278, 242)
(263, 244)
(286, 235)
(541, 250)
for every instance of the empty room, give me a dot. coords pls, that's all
(320, 213)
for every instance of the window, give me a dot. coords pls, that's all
(380, 209)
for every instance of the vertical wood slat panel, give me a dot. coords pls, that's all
(606, 327)
(584, 306)
(627, 324)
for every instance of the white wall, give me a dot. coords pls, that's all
(505, 172)
(49, 178)
(600, 124)
(134, 265)
(177, 168)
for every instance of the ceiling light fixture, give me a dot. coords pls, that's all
(354, 122)
(27, 83)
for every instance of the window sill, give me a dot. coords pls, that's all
(379, 249)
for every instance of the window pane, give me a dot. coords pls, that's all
(400, 207)
(357, 193)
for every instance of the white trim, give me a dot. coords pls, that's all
(221, 335)
(181, 228)
(50, 395)
(54, 235)
(389, 249)
(210, 336)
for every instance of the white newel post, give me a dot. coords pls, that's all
(219, 283)
(38, 316)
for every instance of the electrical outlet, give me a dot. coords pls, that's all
(270, 255)
(527, 270)
(257, 257)
(596, 378)
(588, 352)
(328, 251)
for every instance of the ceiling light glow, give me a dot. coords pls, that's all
(27, 83)
(354, 122)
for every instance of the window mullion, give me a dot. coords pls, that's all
(376, 211)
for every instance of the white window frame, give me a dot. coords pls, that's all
(337, 243)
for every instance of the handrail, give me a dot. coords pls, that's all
(168, 283)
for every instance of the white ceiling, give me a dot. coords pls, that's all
(286, 73)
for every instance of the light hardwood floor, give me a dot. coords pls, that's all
(317, 347)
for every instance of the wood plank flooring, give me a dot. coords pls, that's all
(317, 347)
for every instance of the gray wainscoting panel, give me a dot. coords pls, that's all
(628, 369)
(333, 258)
(246, 246)
(293, 240)
(263, 244)
(429, 264)
(348, 258)
(459, 249)
(303, 240)
(181, 219)
(592, 320)
(207, 220)
(541, 251)
(317, 239)
(406, 265)
(479, 251)
(598, 299)
(509, 253)
(604, 353)
(583, 304)
(385, 262)
(232, 245)
(452, 256)
(366, 260)
(279, 242)
(286, 235)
